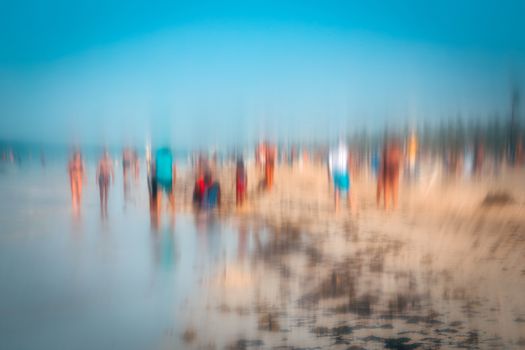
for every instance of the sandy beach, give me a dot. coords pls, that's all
(444, 270)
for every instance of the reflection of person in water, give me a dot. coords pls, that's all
(209, 235)
(76, 178)
(164, 250)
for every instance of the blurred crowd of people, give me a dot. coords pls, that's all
(414, 156)
(394, 158)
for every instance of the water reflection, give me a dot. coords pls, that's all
(164, 248)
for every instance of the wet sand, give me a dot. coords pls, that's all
(444, 270)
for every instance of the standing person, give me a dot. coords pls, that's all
(468, 162)
(241, 182)
(207, 192)
(136, 166)
(388, 180)
(166, 172)
(126, 167)
(151, 176)
(212, 192)
(260, 156)
(153, 199)
(339, 172)
(199, 188)
(76, 178)
(412, 154)
(479, 155)
(381, 175)
(519, 152)
(375, 161)
(269, 165)
(105, 174)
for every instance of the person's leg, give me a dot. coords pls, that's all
(386, 191)
(158, 210)
(125, 183)
(269, 176)
(106, 196)
(379, 190)
(395, 189)
(74, 194)
(79, 190)
(171, 198)
(101, 196)
(159, 200)
(78, 197)
(77, 183)
(336, 199)
(104, 199)
(348, 192)
(106, 190)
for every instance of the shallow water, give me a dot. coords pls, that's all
(235, 282)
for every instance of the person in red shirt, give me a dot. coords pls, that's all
(199, 189)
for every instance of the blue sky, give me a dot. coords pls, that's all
(205, 73)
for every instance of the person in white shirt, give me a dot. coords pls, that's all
(339, 172)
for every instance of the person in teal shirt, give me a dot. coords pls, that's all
(165, 173)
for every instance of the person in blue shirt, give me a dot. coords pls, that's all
(212, 194)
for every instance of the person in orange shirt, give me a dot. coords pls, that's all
(269, 165)
(412, 154)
